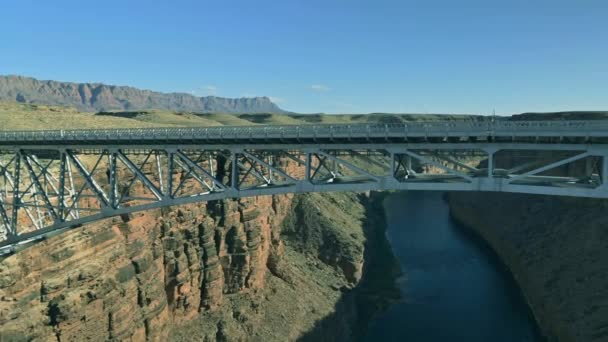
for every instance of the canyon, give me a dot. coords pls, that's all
(310, 267)
(261, 268)
(219, 271)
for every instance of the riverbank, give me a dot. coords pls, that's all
(555, 247)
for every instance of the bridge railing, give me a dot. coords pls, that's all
(311, 131)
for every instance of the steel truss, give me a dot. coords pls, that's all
(45, 189)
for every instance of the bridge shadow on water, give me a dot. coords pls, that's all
(376, 290)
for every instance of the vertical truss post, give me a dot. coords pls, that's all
(211, 167)
(234, 171)
(5, 220)
(589, 166)
(393, 165)
(490, 153)
(308, 166)
(170, 154)
(604, 171)
(12, 231)
(62, 202)
(334, 168)
(76, 213)
(270, 172)
(112, 179)
(159, 169)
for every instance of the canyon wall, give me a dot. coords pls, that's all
(556, 248)
(121, 281)
(216, 271)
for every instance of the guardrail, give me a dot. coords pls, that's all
(420, 128)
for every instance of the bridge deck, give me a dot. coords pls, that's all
(463, 130)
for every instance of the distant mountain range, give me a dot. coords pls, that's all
(95, 97)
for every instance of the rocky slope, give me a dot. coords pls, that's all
(556, 248)
(91, 97)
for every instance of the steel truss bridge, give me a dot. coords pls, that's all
(53, 180)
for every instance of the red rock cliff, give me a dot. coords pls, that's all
(129, 281)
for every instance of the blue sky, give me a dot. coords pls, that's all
(335, 56)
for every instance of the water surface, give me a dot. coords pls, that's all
(453, 287)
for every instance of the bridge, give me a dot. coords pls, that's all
(54, 180)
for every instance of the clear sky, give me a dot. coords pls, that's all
(451, 56)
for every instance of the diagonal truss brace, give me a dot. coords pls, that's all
(137, 172)
(251, 170)
(439, 165)
(550, 166)
(50, 178)
(88, 179)
(349, 165)
(38, 187)
(369, 160)
(272, 168)
(397, 164)
(455, 162)
(6, 221)
(321, 165)
(197, 167)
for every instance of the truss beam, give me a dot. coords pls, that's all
(44, 189)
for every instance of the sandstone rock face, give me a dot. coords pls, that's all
(556, 248)
(131, 281)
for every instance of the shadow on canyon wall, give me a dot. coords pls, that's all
(376, 290)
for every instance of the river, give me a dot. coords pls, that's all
(453, 287)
